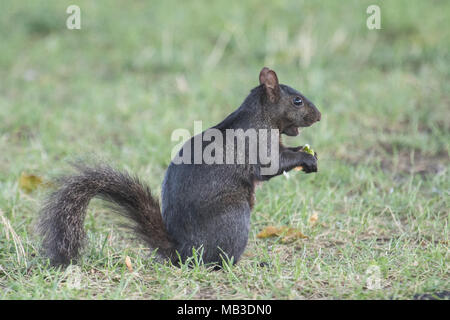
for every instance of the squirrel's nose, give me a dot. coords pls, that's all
(315, 111)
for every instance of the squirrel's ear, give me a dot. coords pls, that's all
(269, 79)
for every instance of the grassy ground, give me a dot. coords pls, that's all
(118, 87)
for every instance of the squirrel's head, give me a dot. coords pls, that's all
(288, 107)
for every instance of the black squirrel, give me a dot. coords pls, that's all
(204, 206)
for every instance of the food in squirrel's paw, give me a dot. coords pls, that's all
(306, 149)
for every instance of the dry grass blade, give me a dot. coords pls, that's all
(20, 251)
(128, 264)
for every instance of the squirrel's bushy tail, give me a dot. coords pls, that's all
(62, 217)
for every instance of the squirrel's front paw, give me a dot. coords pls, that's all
(309, 163)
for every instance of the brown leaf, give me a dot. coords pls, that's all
(29, 182)
(288, 234)
(292, 234)
(269, 231)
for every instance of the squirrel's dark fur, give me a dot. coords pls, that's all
(63, 214)
(204, 206)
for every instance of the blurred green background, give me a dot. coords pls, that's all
(137, 70)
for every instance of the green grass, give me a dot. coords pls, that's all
(136, 71)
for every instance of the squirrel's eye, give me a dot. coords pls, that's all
(297, 101)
